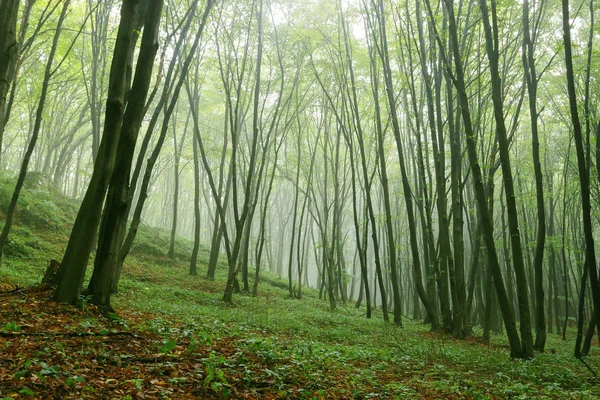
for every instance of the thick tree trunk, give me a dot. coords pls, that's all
(112, 229)
(143, 192)
(83, 234)
(141, 158)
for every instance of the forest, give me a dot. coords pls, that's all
(419, 172)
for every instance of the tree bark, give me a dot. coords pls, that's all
(582, 165)
(532, 81)
(8, 50)
(83, 234)
(112, 229)
(491, 36)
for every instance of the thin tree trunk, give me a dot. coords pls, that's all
(196, 248)
(294, 215)
(532, 81)
(455, 320)
(582, 164)
(382, 48)
(263, 218)
(143, 192)
(487, 224)
(178, 149)
(247, 207)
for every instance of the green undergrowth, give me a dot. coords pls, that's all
(296, 348)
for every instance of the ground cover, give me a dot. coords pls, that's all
(172, 337)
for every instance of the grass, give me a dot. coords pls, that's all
(268, 346)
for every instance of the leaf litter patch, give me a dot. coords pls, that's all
(51, 350)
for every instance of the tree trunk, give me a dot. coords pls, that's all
(178, 149)
(582, 164)
(143, 192)
(391, 98)
(452, 321)
(8, 50)
(84, 230)
(294, 216)
(486, 218)
(112, 229)
(196, 248)
(511, 205)
(538, 262)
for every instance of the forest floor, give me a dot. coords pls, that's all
(173, 338)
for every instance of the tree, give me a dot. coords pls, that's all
(8, 49)
(111, 231)
(83, 234)
(582, 167)
(178, 148)
(491, 36)
(125, 245)
(96, 84)
(486, 220)
(127, 242)
(49, 71)
(531, 78)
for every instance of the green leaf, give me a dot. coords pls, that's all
(168, 345)
(27, 392)
(11, 327)
(22, 374)
(210, 374)
(49, 369)
(136, 382)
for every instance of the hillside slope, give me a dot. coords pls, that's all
(174, 338)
